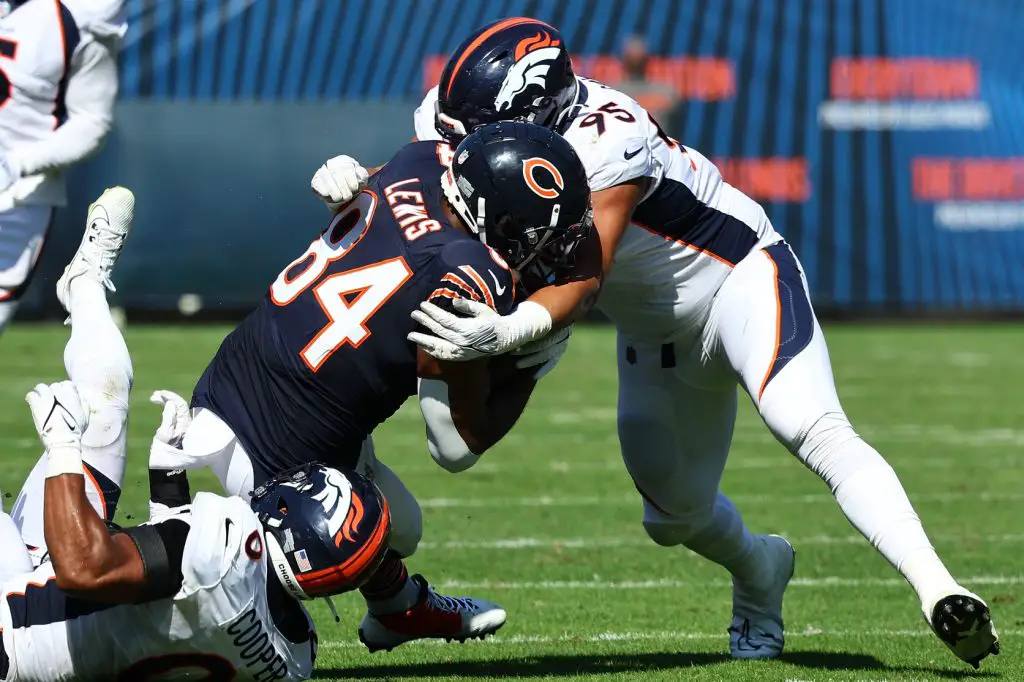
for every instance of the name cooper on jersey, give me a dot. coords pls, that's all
(257, 649)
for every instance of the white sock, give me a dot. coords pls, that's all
(718, 535)
(727, 542)
(97, 361)
(403, 601)
(873, 499)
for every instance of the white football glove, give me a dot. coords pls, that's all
(174, 421)
(338, 180)
(483, 334)
(544, 353)
(59, 415)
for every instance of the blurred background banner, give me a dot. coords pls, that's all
(884, 137)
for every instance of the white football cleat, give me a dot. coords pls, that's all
(107, 225)
(962, 621)
(757, 630)
(433, 616)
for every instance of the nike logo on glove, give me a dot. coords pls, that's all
(498, 289)
(63, 412)
(629, 155)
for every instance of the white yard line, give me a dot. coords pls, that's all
(826, 582)
(640, 540)
(667, 635)
(622, 500)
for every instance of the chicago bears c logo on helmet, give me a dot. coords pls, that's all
(533, 61)
(530, 167)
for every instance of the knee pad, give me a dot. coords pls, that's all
(106, 397)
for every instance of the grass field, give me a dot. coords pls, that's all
(548, 524)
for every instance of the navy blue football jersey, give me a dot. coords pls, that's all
(324, 357)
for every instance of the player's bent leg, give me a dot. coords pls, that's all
(768, 332)
(406, 516)
(402, 608)
(214, 441)
(97, 362)
(675, 439)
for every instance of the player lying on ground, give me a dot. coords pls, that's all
(324, 359)
(705, 294)
(59, 64)
(204, 590)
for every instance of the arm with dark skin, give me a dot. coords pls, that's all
(482, 413)
(568, 302)
(89, 562)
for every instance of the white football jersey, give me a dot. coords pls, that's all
(218, 626)
(38, 42)
(687, 232)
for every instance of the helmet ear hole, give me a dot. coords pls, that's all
(282, 506)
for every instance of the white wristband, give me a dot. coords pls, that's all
(66, 460)
(528, 322)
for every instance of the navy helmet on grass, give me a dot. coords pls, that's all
(326, 530)
(524, 191)
(515, 69)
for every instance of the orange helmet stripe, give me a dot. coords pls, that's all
(480, 39)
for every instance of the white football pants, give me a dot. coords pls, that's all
(97, 361)
(677, 410)
(22, 234)
(209, 437)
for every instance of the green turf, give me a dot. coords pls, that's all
(548, 524)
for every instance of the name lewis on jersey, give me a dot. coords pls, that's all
(256, 648)
(409, 209)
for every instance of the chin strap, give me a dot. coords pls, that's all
(334, 611)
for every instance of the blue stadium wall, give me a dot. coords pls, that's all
(901, 118)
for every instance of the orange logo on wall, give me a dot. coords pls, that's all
(773, 179)
(979, 179)
(693, 78)
(878, 78)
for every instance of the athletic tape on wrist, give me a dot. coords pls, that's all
(65, 460)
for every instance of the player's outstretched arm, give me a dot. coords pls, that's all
(557, 306)
(136, 565)
(613, 208)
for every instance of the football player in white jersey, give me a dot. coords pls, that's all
(58, 83)
(209, 588)
(705, 294)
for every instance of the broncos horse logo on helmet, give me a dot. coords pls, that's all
(534, 57)
(512, 69)
(326, 530)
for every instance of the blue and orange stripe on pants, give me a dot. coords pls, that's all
(794, 326)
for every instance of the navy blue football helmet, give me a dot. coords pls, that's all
(515, 69)
(522, 189)
(326, 531)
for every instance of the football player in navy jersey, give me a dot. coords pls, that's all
(324, 358)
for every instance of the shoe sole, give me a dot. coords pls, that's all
(958, 617)
(374, 647)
